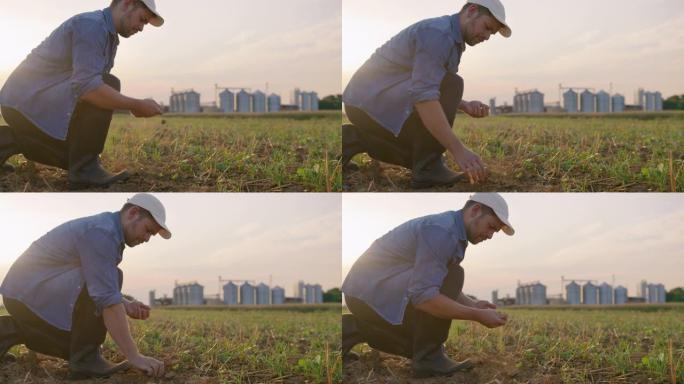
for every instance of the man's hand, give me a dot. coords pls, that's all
(491, 318)
(146, 108)
(475, 109)
(483, 304)
(149, 365)
(471, 164)
(137, 310)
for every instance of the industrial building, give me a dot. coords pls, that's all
(305, 101)
(309, 293)
(528, 102)
(185, 102)
(188, 294)
(531, 294)
(649, 101)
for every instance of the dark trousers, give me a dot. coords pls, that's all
(86, 137)
(420, 333)
(415, 146)
(87, 329)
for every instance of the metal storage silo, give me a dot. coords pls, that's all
(570, 101)
(230, 293)
(658, 105)
(538, 294)
(518, 295)
(263, 294)
(277, 296)
(309, 294)
(620, 295)
(589, 294)
(306, 101)
(227, 101)
(185, 297)
(192, 102)
(588, 102)
(605, 294)
(318, 294)
(152, 298)
(618, 103)
(516, 109)
(572, 293)
(314, 101)
(259, 102)
(602, 102)
(526, 102)
(247, 294)
(650, 101)
(662, 295)
(527, 294)
(273, 103)
(652, 293)
(244, 102)
(536, 102)
(644, 290)
(195, 294)
(176, 299)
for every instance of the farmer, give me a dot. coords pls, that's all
(402, 102)
(63, 293)
(406, 288)
(60, 100)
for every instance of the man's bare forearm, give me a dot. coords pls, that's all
(465, 300)
(117, 325)
(434, 119)
(445, 308)
(107, 97)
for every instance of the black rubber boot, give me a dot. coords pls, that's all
(88, 172)
(435, 363)
(351, 146)
(88, 363)
(7, 148)
(434, 173)
(351, 336)
(9, 335)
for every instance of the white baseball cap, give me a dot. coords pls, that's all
(498, 11)
(157, 21)
(498, 205)
(155, 208)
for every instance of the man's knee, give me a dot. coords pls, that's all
(453, 282)
(112, 81)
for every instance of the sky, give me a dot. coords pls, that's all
(231, 43)
(277, 238)
(582, 43)
(579, 236)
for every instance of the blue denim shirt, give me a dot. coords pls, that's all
(48, 84)
(407, 70)
(408, 264)
(49, 275)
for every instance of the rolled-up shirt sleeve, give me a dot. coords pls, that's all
(99, 254)
(434, 250)
(89, 41)
(432, 48)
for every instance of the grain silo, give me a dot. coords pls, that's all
(652, 290)
(195, 294)
(227, 101)
(263, 294)
(152, 299)
(517, 109)
(277, 295)
(662, 295)
(588, 102)
(570, 101)
(176, 296)
(618, 103)
(309, 294)
(244, 104)
(620, 295)
(318, 293)
(536, 102)
(305, 105)
(527, 294)
(172, 103)
(602, 102)
(538, 294)
(259, 102)
(274, 103)
(572, 293)
(230, 293)
(650, 101)
(589, 293)
(247, 293)
(518, 295)
(192, 102)
(658, 101)
(605, 294)
(526, 102)
(183, 289)
(314, 101)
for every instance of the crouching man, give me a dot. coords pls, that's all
(406, 288)
(63, 293)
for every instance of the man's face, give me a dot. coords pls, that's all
(139, 228)
(134, 19)
(479, 28)
(482, 226)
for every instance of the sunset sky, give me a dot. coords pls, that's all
(234, 43)
(283, 237)
(581, 236)
(583, 43)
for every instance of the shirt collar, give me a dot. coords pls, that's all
(456, 31)
(116, 217)
(460, 226)
(109, 21)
